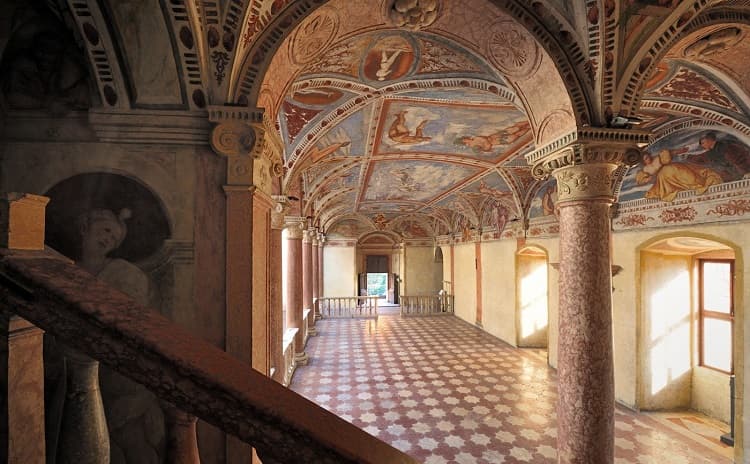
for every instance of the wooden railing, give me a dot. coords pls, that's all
(348, 306)
(41, 290)
(426, 304)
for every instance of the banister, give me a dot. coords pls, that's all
(194, 375)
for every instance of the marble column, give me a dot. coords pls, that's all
(585, 171)
(307, 269)
(307, 277)
(315, 269)
(276, 300)
(293, 297)
(321, 289)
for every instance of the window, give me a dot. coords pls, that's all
(716, 295)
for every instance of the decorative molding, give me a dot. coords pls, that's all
(728, 202)
(150, 126)
(413, 15)
(513, 50)
(585, 182)
(101, 52)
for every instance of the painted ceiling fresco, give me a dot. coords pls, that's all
(414, 133)
(402, 125)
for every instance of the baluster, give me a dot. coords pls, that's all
(83, 432)
(182, 443)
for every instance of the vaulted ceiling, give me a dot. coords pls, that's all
(408, 116)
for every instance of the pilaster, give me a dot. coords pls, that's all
(237, 135)
(276, 300)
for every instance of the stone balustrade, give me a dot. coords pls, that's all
(419, 305)
(348, 306)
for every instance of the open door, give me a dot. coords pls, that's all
(362, 284)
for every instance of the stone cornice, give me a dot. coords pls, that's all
(150, 126)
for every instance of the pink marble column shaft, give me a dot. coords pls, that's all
(585, 410)
(321, 242)
(276, 300)
(293, 296)
(315, 270)
(307, 271)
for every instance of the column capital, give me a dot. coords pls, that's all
(589, 145)
(310, 235)
(253, 152)
(278, 211)
(585, 162)
(295, 227)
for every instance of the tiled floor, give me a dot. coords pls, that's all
(446, 392)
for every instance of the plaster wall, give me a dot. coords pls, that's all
(665, 326)
(423, 276)
(627, 304)
(706, 384)
(339, 271)
(499, 289)
(187, 181)
(465, 288)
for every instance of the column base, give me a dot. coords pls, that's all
(301, 359)
(311, 331)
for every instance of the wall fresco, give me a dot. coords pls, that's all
(686, 161)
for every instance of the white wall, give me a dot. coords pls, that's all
(499, 289)
(465, 287)
(626, 303)
(339, 271)
(422, 276)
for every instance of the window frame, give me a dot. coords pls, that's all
(703, 313)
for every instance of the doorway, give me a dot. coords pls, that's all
(532, 315)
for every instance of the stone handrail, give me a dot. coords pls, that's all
(348, 306)
(192, 374)
(426, 304)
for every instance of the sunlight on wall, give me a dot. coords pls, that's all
(534, 301)
(670, 331)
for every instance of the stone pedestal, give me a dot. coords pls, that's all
(22, 437)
